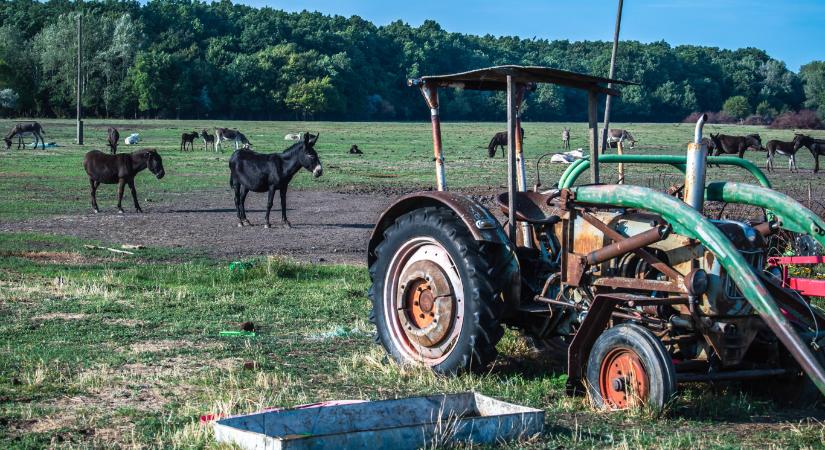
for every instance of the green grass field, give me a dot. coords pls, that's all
(100, 349)
(397, 155)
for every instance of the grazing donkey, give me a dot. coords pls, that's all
(788, 149)
(113, 139)
(711, 146)
(499, 140)
(120, 169)
(816, 146)
(354, 150)
(735, 144)
(227, 134)
(188, 138)
(208, 140)
(616, 135)
(258, 172)
(20, 129)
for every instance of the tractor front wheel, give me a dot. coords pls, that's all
(435, 293)
(629, 367)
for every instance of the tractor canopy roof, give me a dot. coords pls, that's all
(495, 79)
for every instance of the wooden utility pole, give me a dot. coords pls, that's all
(79, 78)
(612, 75)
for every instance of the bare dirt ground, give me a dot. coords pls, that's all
(326, 226)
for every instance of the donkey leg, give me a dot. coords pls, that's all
(269, 197)
(284, 220)
(244, 191)
(120, 185)
(94, 184)
(237, 188)
(134, 195)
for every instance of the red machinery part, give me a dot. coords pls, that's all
(805, 286)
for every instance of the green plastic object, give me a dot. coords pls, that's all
(572, 173)
(691, 223)
(238, 333)
(240, 266)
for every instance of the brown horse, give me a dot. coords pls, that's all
(121, 170)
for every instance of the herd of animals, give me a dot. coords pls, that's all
(271, 172)
(249, 170)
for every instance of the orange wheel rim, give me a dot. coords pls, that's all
(623, 380)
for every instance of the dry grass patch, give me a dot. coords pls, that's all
(45, 257)
(172, 344)
(59, 316)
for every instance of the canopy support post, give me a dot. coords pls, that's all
(526, 229)
(512, 120)
(430, 94)
(593, 119)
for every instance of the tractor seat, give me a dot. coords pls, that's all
(531, 207)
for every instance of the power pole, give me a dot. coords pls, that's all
(79, 78)
(612, 74)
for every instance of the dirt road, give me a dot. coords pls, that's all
(326, 226)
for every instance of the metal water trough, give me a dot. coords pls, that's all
(408, 423)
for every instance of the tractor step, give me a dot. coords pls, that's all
(534, 308)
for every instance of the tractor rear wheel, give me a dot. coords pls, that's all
(436, 293)
(629, 367)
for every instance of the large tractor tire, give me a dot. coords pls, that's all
(436, 293)
(629, 367)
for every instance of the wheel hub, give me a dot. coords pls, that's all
(623, 380)
(427, 302)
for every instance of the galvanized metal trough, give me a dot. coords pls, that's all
(408, 423)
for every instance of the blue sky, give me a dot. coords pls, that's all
(790, 30)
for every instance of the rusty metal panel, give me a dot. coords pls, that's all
(495, 79)
(411, 423)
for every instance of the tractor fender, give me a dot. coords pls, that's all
(482, 225)
(478, 219)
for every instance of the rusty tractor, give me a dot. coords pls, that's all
(644, 290)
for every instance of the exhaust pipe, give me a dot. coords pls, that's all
(697, 155)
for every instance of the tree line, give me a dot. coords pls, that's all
(191, 59)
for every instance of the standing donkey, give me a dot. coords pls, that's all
(259, 172)
(735, 144)
(228, 134)
(121, 170)
(21, 129)
(208, 140)
(788, 149)
(816, 146)
(113, 139)
(188, 139)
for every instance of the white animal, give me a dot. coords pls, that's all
(567, 157)
(132, 139)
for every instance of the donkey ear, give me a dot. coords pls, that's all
(314, 139)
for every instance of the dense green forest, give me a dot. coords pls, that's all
(190, 59)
